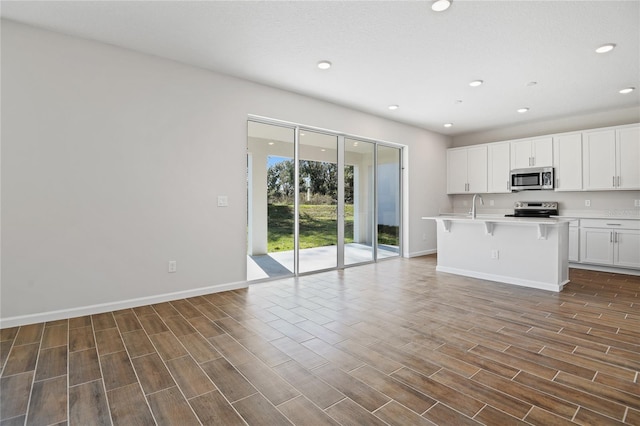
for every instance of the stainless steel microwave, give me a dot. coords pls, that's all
(532, 178)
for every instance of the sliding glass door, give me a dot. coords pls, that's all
(318, 201)
(270, 200)
(359, 210)
(388, 172)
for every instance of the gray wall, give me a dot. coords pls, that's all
(112, 161)
(546, 127)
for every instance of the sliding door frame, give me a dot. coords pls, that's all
(341, 190)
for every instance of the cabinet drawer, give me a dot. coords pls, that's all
(610, 223)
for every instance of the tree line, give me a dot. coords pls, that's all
(318, 179)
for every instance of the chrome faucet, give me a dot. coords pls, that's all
(473, 205)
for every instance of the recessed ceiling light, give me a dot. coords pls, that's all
(270, 143)
(627, 90)
(324, 65)
(532, 83)
(440, 5)
(458, 101)
(523, 110)
(301, 134)
(355, 144)
(448, 125)
(393, 107)
(476, 83)
(606, 48)
(323, 150)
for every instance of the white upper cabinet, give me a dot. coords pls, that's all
(567, 160)
(591, 160)
(467, 170)
(599, 161)
(611, 159)
(477, 169)
(628, 161)
(499, 167)
(456, 171)
(532, 153)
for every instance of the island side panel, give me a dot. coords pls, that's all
(522, 258)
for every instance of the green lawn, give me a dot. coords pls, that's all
(318, 227)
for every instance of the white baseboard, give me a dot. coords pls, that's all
(420, 253)
(115, 306)
(502, 279)
(602, 268)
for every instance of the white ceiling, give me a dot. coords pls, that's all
(388, 52)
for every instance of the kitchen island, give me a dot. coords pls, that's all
(530, 252)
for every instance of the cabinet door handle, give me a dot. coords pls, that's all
(613, 181)
(618, 181)
(614, 224)
(615, 237)
(610, 237)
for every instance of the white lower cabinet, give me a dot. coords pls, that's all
(574, 241)
(626, 251)
(597, 246)
(610, 242)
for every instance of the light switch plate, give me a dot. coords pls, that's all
(223, 201)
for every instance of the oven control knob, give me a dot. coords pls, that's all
(518, 204)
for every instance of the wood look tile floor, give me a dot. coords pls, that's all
(394, 343)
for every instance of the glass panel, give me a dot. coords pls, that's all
(318, 198)
(358, 201)
(271, 193)
(388, 199)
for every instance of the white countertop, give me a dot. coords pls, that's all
(630, 214)
(596, 216)
(481, 218)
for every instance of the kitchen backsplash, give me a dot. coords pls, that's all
(601, 203)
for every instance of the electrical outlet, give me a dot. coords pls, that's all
(173, 266)
(587, 203)
(491, 202)
(223, 201)
(495, 254)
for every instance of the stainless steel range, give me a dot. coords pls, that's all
(534, 209)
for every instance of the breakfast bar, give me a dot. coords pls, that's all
(530, 252)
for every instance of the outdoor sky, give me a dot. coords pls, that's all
(273, 159)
